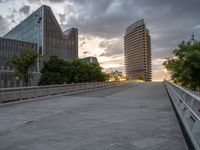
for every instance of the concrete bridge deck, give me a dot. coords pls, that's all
(131, 117)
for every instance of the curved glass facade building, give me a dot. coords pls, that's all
(41, 27)
(42, 30)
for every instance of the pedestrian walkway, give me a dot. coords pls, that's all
(132, 117)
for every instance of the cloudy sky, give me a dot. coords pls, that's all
(102, 25)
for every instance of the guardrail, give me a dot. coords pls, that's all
(36, 92)
(187, 105)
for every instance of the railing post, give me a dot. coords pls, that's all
(48, 90)
(1, 95)
(37, 92)
(87, 86)
(73, 88)
(21, 93)
(187, 113)
(66, 88)
(196, 127)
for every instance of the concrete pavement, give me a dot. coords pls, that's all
(132, 117)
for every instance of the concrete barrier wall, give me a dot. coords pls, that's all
(35, 92)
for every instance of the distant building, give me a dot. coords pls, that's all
(90, 59)
(41, 28)
(137, 45)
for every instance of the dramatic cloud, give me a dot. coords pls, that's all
(3, 26)
(103, 18)
(25, 10)
(15, 16)
(40, 1)
(102, 25)
(1, 1)
(112, 47)
(62, 18)
(82, 44)
(86, 52)
(169, 22)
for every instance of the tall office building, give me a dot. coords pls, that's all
(40, 32)
(137, 45)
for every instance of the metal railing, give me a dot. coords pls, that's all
(187, 105)
(36, 92)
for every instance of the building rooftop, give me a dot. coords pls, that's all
(90, 59)
(134, 25)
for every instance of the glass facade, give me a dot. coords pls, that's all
(42, 27)
(8, 49)
(30, 30)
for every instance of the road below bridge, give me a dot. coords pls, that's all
(138, 116)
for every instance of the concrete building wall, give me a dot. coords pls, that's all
(64, 45)
(137, 52)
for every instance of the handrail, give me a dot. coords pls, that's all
(191, 110)
(186, 91)
(187, 106)
(36, 92)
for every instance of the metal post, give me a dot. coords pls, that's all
(48, 90)
(1, 94)
(37, 92)
(21, 93)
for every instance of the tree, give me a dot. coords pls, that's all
(55, 71)
(23, 64)
(141, 78)
(79, 71)
(86, 72)
(185, 65)
(116, 75)
(58, 71)
(96, 73)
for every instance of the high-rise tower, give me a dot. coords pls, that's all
(137, 45)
